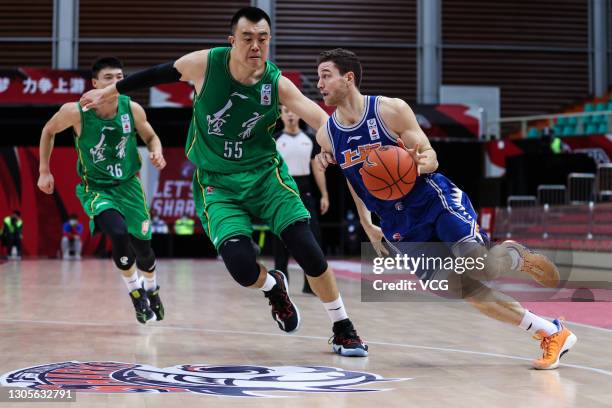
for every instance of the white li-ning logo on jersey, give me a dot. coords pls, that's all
(266, 94)
(373, 129)
(125, 123)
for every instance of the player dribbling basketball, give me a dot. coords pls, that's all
(435, 209)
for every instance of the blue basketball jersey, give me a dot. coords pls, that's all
(434, 210)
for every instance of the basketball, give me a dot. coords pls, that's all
(388, 172)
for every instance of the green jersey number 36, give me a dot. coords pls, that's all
(115, 171)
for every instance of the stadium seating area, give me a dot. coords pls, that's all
(576, 227)
(577, 215)
(597, 119)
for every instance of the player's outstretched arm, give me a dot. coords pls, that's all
(325, 157)
(374, 233)
(190, 67)
(295, 101)
(148, 135)
(401, 119)
(68, 115)
(313, 115)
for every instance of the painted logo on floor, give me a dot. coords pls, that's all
(226, 380)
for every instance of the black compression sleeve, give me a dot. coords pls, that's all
(159, 74)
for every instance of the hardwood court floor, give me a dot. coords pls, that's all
(448, 354)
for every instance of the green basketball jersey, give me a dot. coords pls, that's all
(107, 149)
(232, 124)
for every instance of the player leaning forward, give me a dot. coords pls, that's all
(434, 211)
(110, 191)
(239, 172)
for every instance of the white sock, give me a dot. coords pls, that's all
(269, 283)
(533, 323)
(132, 282)
(336, 310)
(150, 284)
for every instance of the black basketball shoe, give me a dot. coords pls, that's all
(155, 303)
(141, 304)
(346, 342)
(284, 312)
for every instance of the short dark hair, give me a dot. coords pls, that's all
(253, 14)
(17, 213)
(73, 215)
(105, 62)
(345, 61)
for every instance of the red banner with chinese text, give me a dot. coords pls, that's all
(42, 86)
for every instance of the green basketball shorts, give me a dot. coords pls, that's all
(128, 198)
(226, 203)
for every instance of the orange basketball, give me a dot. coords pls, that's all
(388, 172)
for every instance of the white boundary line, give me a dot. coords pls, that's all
(588, 326)
(381, 343)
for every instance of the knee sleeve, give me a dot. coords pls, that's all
(240, 258)
(123, 256)
(145, 257)
(111, 223)
(300, 241)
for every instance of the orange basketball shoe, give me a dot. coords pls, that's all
(539, 267)
(554, 346)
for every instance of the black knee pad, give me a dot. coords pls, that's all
(240, 258)
(111, 222)
(123, 256)
(300, 241)
(145, 257)
(146, 263)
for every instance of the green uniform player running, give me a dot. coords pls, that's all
(239, 173)
(236, 158)
(108, 163)
(110, 190)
